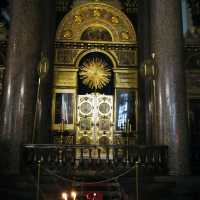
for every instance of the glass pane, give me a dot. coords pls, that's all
(125, 110)
(64, 108)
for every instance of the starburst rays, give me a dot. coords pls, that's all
(95, 73)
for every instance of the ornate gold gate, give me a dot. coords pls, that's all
(95, 119)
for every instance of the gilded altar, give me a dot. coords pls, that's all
(95, 91)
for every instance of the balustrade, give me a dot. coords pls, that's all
(107, 158)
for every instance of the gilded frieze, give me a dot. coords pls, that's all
(123, 55)
(65, 56)
(65, 78)
(127, 57)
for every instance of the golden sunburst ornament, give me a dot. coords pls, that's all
(95, 73)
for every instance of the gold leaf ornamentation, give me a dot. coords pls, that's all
(68, 34)
(78, 19)
(115, 19)
(125, 35)
(96, 13)
(95, 73)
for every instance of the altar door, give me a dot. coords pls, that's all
(95, 119)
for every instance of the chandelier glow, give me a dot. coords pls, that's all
(94, 73)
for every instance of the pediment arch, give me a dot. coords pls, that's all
(91, 15)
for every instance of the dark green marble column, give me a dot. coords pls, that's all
(20, 82)
(167, 44)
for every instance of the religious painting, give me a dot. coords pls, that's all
(96, 34)
(85, 124)
(104, 124)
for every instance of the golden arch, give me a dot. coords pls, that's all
(96, 14)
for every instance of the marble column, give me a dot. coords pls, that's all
(145, 118)
(20, 82)
(167, 44)
(45, 93)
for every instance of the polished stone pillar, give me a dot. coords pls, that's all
(167, 44)
(47, 48)
(145, 117)
(20, 81)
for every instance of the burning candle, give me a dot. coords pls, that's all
(73, 195)
(64, 195)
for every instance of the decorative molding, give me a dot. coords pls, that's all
(67, 52)
(100, 45)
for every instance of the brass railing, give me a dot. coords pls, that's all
(107, 158)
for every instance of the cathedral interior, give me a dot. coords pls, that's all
(100, 99)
